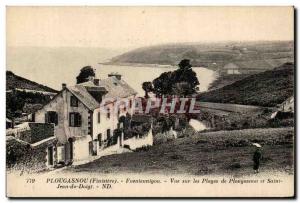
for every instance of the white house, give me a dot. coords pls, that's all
(287, 105)
(231, 68)
(246, 67)
(81, 128)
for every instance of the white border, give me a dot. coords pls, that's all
(4, 3)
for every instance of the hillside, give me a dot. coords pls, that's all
(213, 55)
(268, 88)
(15, 81)
(31, 96)
(223, 80)
(212, 153)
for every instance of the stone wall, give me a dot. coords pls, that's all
(139, 141)
(23, 157)
(40, 131)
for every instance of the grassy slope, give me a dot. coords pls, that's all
(228, 152)
(15, 81)
(274, 53)
(264, 89)
(224, 80)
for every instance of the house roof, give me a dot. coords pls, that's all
(249, 65)
(116, 88)
(113, 87)
(256, 64)
(30, 108)
(231, 66)
(289, 100)
(84, 96)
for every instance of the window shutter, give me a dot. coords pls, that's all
(100, 139)
(56, 118)
(75, 119)
(79, 120)
(73, 101)
(70, 119)
(46, 117)
(99, 117)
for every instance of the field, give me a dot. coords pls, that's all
(222, 152)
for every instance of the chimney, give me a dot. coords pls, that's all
(63, 86)
(96, 82)
(117, 75)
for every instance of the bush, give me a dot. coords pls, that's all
(143, 148)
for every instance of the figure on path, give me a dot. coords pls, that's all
(257, 157)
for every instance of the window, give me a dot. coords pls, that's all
(130, 103)
(74, 101)
(100, 139)
(108, 115)
(99, 117)
(74, 119)
(51, 117)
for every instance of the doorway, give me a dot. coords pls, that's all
(50, 156)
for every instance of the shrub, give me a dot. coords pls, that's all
(143, 148)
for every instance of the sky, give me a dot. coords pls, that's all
(124, 27)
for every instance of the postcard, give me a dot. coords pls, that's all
(150, 102)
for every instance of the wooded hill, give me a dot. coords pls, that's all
(15, 81)
(29, 97)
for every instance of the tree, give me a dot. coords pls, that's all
(185, 64)
(147, 87)
(162, 85)
(182, 88)
(14, 104)
(186, 74)
(182, 81)
(84, 74)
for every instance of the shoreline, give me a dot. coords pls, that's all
(144, 65)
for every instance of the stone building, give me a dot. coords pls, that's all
(82, 130)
